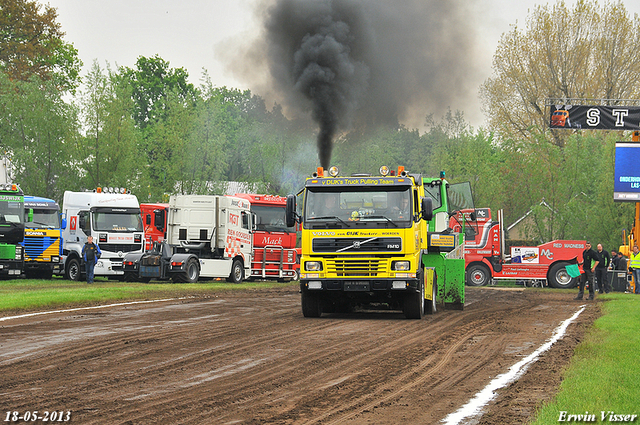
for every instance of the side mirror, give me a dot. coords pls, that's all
(30, 215)
(427, 209)
(472, 216)
(290, 210)
(147, 219)
(63, 225)
(82, 222)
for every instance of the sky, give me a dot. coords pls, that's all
(204, 34)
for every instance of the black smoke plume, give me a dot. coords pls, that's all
(366, 62)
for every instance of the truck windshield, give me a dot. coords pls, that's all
(359, 207)
(116, 222)
(11, 211)
(49, 219)
(271, 219)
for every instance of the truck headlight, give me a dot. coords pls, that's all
(55, 259)
(401, 265)
(312, 266)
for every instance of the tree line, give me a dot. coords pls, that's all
(149, 129)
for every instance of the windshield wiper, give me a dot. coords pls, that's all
(329, 217)
(365, 218)
(42, 224)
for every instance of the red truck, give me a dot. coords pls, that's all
(154, 221)
(274, 244)
(486, 257)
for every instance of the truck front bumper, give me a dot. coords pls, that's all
(361, 290)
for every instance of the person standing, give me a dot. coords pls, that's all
(614, 261)
(589, 264)
(634, 267)
(90, 253)
(601, 270)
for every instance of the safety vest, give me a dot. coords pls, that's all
(634, 261)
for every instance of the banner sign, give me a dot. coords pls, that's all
(626, 186)
(595, 117)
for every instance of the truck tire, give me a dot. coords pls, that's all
(413, 307)
(478, 275)
(430, 305)
(311, 305)
(237, 272)
(72, 269)
(557, 277)
(192, 271)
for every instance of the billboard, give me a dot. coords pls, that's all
(626, 186)
(595, 117)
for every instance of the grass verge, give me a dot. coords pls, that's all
(32, 294)
(604, 373)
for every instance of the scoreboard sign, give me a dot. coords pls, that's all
(595, 117)
(626, 186)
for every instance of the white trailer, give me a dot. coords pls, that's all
(114, 221)
(207, 236)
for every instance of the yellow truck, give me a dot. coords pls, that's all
(365, 242)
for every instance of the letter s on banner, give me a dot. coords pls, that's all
(593, 117)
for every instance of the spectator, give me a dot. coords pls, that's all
(614, 261)
(90, 253)
(622, 262)
(634, 267)
(601, 270)
(589, 264)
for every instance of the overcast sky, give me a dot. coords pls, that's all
(193, 34)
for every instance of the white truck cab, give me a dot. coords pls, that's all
(114, 221)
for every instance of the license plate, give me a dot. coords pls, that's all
(356, 286)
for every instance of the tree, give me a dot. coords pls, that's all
(151, 82)
(587, 52)
(108, 151)
(31, 44)
(38, 140)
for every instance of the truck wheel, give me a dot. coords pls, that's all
(192, 272)
(237, 272)
(311, 305)
(413, 307)
(430, 305)
(478, 275)
(72, 269)
(559, 278)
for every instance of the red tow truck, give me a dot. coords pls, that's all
(486, 257)
(274, 244)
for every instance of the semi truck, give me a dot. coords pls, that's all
(112, 218)
(274, 243)
(11, 230)
(42, 237)
(487, 256)
(208, 236)
(365, 242)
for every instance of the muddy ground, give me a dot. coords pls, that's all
(250, 357)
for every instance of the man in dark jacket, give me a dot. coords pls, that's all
(589, 263)
(601, 270)
(90, 253)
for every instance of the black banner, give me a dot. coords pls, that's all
(595, 117)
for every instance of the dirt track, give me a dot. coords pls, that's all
(251, 358)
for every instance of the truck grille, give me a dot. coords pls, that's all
(357, 245)
(360, 267)
(117, 247)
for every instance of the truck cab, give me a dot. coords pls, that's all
(11, 230)
(113, 219)
(274, 243)
(42, 237)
